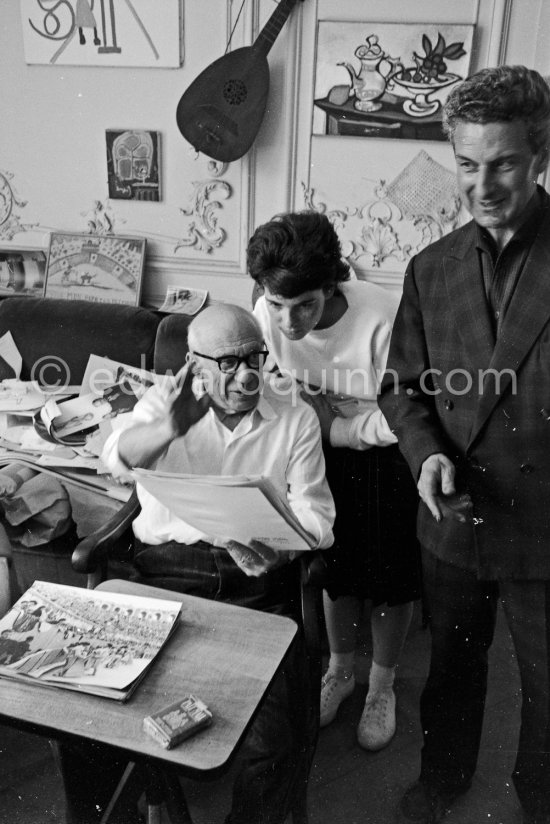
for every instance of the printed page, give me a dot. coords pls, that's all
(223, 511)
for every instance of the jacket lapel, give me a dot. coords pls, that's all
(466, 293)
(527, 315)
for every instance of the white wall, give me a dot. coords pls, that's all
(52, 137)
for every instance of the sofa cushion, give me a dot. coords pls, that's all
(56, 337)
(171, 344)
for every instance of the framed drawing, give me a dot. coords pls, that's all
(133, 164)
(100, 268)
(22, 272)
(102, 32)
(387, 79)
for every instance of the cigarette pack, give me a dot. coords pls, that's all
(178, 721)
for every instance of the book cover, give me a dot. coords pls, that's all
(88, 640)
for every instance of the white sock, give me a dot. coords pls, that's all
(341, 664)
(380, 678)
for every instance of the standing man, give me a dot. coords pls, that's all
(467, 392)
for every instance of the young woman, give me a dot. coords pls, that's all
(332, 333)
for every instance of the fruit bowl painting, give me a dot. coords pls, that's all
(420, 106)
(387, 75)
(428, 75)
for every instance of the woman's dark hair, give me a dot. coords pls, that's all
(295, 253)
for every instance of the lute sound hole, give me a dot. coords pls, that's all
(235, 92)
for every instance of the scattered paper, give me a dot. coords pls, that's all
(183, 301)
(103, 372)
(10, 353)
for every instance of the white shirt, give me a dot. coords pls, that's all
(279, 439)
(347, 360)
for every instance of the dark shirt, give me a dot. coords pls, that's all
(501, 270)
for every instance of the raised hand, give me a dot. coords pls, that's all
(186, 410)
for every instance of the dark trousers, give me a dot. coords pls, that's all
(278, 745)
(462, 615)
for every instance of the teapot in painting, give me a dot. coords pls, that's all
(377, 68)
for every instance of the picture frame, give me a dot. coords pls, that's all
(98, 268)
(134, 164)
(115, 33)
(22, 272)
(387, 80)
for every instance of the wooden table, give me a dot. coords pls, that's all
(390, 121)
(225, 655)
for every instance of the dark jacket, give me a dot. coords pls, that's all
(494, 425)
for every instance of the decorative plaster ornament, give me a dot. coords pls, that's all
(203, 232)
(10, 223)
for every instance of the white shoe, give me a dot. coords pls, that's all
(377, 725)
(334, 688)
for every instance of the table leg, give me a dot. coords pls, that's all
(130, 783)
(163, 786)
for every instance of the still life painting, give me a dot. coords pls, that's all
(387, 79)
(133, 164)
(100, 268)
(102, 32)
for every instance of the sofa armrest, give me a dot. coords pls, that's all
(91, 554)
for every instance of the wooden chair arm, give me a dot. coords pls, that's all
(91, 554)
(313, 576)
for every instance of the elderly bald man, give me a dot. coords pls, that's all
(220, 418)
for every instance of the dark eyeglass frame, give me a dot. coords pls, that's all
(238, 360)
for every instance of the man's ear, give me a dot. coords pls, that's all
(193, 365)
(542, 160)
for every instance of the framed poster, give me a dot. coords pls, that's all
(99, 268)
(103, 32)
(387, 80)
(133, 164)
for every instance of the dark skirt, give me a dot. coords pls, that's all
(376, 555)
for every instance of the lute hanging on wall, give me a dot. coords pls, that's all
(222, 110)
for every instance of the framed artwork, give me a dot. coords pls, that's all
(133, 164)
(387, 80)
(22, 272)
(102, 32)
(99, 268)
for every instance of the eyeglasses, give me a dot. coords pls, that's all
(230, 363)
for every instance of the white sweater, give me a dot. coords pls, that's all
(347, 360)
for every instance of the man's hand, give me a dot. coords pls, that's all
(142, 444)
(186, 410)
(257, 559)
(324, 410)
(436, 487)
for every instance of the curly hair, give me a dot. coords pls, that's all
(504, 93)
(296, 252)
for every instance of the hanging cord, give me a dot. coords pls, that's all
(234, 26)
